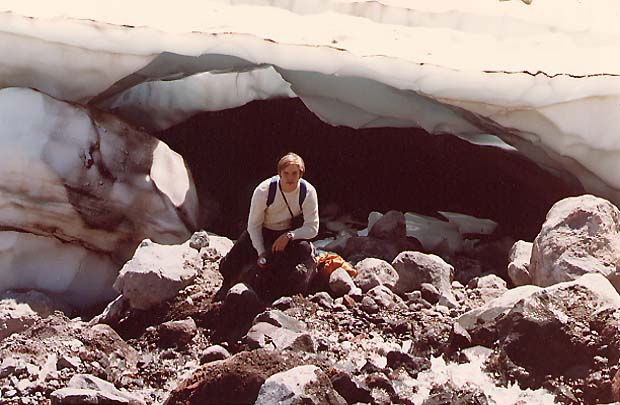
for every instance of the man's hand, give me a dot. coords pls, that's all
(261, 262)
(280, 243)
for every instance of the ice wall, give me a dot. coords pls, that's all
(543, 77)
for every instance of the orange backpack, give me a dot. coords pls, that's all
(327, 263)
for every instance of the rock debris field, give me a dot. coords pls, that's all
(507, 322)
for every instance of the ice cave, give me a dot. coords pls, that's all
(123, 122)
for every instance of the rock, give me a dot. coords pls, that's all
(488, 287)
(236, 380)
(415, 268)
(101, 344)
(219, 246)
(12, 366)
(102, 387)
(459, 337)
(490, 281)
(369, 305)
(390, 226)
(199, 240)
(350, 390)
(302, 384)
(519, 263)
(448, 300)
(372, 272)
(542, 328)
(322, 298)
(615, 387)
(280, 319)
(355, 294)
(453, 395)
(241, 304)
(113, 312)
(177, 333)
(157, 273)
(74, 396)
(340, 282)
(481, 320)
(15, 317)
(411, 364)
(385, 298)
(580, 235)
(67, 361)
(268, 336)
(429, 293)
(214, 353)
(282, 303)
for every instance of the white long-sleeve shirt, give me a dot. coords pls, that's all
(277, 217)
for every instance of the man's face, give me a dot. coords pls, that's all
(289, 176)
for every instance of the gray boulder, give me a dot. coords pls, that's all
(214, 353)
(372, 272)
(390, 226)
(157, 273)
(385, 298)
(300, 385)
(416, 268)
(580, 235)
(340, 282)
(275, 330)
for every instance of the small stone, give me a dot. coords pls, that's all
(213, 353)
(66, 361)
(283, 303)
(199, 240)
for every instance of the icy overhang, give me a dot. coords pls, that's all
(542, 77)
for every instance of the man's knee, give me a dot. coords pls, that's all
(303, 248)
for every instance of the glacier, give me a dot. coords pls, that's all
(538, 78)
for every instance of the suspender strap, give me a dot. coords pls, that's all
(272, 190)
(303, 189)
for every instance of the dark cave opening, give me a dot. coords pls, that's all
(359, 171)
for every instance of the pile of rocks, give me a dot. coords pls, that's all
(384, 336)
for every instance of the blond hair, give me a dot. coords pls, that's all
(291, 159)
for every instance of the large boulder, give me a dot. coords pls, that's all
(558, 331)
(372, 272)
(299, 385)
(390, 226)
(416, 268)
(481, 322)
(236, 380)
(537, 326)
(580, 235)
(157, 273)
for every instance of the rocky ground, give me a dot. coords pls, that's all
(454, 334)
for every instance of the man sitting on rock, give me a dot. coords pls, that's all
(274, 255)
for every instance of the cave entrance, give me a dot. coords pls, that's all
(358, 171)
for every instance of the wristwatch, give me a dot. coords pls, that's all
(290, 235)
